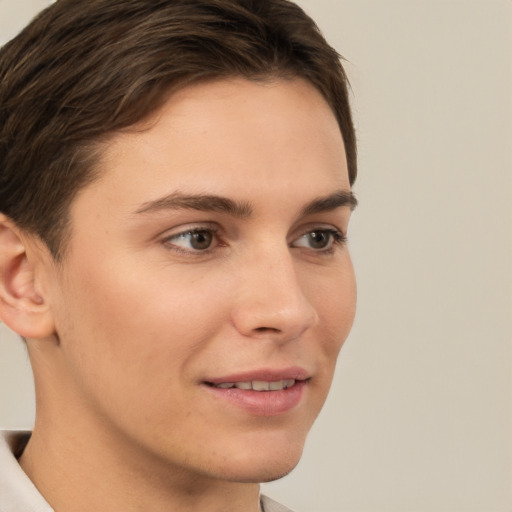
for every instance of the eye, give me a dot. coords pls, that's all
(200, 239)
(321, 240)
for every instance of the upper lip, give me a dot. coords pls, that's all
(264, 374)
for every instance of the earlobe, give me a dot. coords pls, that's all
(22, 307)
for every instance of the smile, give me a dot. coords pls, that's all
(258, 385)
(259, 396)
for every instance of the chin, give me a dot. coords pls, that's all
(263, 464)
(273, 477)
(270, 473)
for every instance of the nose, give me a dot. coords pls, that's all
(271, 302)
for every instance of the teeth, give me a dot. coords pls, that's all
(288, 383)
(258, 385)
(225, 385)
(274, 386)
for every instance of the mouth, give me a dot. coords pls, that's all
(256, 385)
(261, 394)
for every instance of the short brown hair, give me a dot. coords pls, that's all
(84, 69)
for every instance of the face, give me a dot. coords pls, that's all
(207, 288)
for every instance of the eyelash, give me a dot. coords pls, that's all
(201, 229)
(336, 239)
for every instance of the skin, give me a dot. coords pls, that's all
(136, 319)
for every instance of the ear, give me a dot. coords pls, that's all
(23, 307)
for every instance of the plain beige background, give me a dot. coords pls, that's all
(420, 416)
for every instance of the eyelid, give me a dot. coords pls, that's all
(339, 238)
(187, 228)
(317, 226)
(169, 235)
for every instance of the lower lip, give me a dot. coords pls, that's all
(263, 403)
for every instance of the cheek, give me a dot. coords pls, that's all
(336, 303)
(125, 326)
(131, 350)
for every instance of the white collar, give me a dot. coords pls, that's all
(17, 492)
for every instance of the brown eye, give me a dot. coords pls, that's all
(200, 240)
(320, 240)
(194, 240)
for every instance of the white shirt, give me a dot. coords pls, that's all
(19, 494)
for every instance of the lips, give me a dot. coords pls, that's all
(258, 385)
(263, 392)
(265, 375)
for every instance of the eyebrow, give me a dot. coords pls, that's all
(208, 203)
(331, 202)
(242, 210)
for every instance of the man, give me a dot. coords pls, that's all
(175, 193)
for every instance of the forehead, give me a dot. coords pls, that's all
(228, 137)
